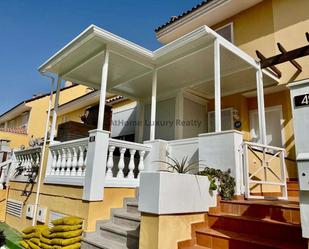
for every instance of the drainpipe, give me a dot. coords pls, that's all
(36, 205)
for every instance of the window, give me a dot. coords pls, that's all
(226, 31)
(226, 120)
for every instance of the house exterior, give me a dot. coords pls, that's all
(20, 123)
(202, 95)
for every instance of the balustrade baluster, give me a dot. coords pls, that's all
(131, 164)
(63, 162)
(85, 161)
(54, 162)
(69, 162)
(57, 170)
(110, 161)
(74, 163)
(121, 163)
(80, 163)
(141, 162)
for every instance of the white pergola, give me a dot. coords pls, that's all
(202, 61)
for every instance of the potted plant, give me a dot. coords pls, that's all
(174, 190)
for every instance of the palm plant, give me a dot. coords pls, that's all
(180, 167)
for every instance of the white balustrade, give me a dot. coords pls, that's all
(67, 162)
(24, 162)
(125, 162)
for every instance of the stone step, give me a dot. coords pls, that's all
(284, 211)
(266, 228)
(132, 207)
(93, 241)
(120, 234)
(211, 238)
(122, 217)
(195, 247)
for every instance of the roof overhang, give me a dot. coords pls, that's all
(209, 13)
(186, 62)
(14, 112)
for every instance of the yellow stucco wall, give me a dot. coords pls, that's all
(3, 194)
(16, 139)
(67, 200)
(158, 232)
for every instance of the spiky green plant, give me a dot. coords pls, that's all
(181, 167)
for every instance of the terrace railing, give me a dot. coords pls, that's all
(67, 162)
(24, 163)
(264, 171)
(125, 162)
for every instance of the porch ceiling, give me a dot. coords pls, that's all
(187, 62)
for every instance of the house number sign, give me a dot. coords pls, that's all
(301, 100)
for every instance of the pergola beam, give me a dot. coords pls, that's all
(293, 62)
(288, 56)
(273, 68)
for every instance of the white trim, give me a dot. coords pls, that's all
(261, 106)
(102, 102)
(217, 82)
(55, 111)
(298, 83)
(153, 105)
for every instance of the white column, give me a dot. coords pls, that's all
(103, 90)
(261, 106)
(217, 86)
(153, 105)
(55, 111)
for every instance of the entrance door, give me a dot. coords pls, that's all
(274, 126)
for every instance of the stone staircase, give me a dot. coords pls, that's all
(242, 224)
(120, 232)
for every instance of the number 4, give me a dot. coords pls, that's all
(305, 100)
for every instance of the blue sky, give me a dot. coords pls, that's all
(31, 31)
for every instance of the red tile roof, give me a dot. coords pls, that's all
(14, 130)
(176, 18)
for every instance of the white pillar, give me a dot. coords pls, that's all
(217, 86)
(103, 90)
(153, 105)
(261, 106)
(55, 111)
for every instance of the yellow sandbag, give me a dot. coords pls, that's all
(36, 234)
(41, 227)
(46, 233)
(24, 244)
(66, 242)
(66, 235)
(65, 228)
(68, 221)
(74, 246)
(57, 247)
(36, 241)
(45, 246)
(32, 245)
(45, 240)
(28, 230)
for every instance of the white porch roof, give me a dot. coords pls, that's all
(185, 62)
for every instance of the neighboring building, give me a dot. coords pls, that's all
(27, 119)
(199, 98)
